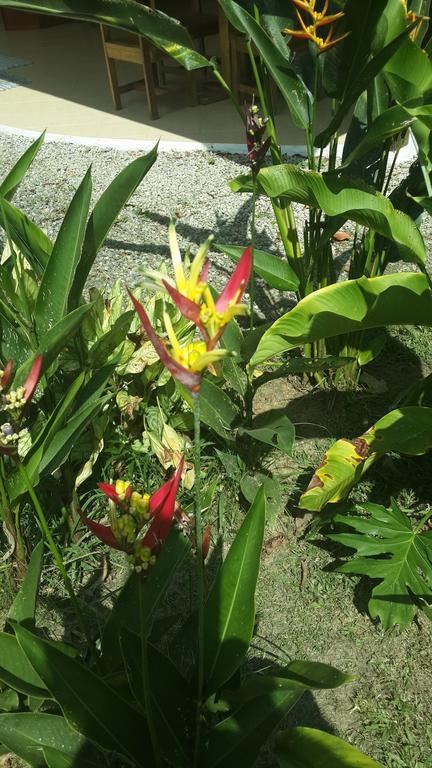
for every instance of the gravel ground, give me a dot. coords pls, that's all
(193, 187)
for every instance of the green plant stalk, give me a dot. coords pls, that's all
(11, 523)
(147, 688)
(200, 575)
(55, 553)
(252, 277)
(284, 214)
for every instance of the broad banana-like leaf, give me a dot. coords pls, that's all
(344, 197)
(310, 748)
(355, 305)
(292, 87)
(164, 32)
(405, 430)
(400, 556)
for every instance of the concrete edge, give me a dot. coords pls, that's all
(407, 154)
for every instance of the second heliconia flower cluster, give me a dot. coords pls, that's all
(139, 523)
(197, 302)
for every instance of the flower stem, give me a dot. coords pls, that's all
(200, 575)
(147, 687)
(56, 554)
(252, 277)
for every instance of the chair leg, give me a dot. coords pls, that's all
(149, 81)
(111, 71)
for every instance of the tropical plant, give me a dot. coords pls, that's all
(390, 550)
(76, 343)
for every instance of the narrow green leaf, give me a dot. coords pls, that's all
(89, 705)
(57, 280)
(310, 748)
(104, 215)
(230, 608)
(291, 86)
(28, 238)
(63, 442)
(355, 305)
(23, 607)
(361, 82)
(108, 343)
(54, 341)
(10, 184)
(125, 612)
(276, 272)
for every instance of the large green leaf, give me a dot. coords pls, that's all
(230, 609)
(57, 280)
(274, 270)
(344, 63)
(355, 305)
(27, 734)
(104, 215)
(157, 27)
(272, 428)
(23, 607)
(390, 123)
(15, 669)
(409, 72)
(310, 748)
(341, 197)
(258, 707)
(389, 549)
(289, 83)
(405, 430)
(363, 79)
(89, 705)
(11, 182)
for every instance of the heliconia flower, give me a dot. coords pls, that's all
(192, 285)
(257, 146)
(319, 19)
(135, 510)
(186, 363)
(211, 316)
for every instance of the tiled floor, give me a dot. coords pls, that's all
(69, 95)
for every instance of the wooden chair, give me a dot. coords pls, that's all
(136, 50)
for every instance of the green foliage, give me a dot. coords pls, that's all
(389, 549)
(355, 305)
(309, 748)
(406, 430)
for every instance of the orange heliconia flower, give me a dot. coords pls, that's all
(318, 19)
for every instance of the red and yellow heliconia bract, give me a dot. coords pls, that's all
(13, 402)
(131, 512)
(193, 297)
(318, 19)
